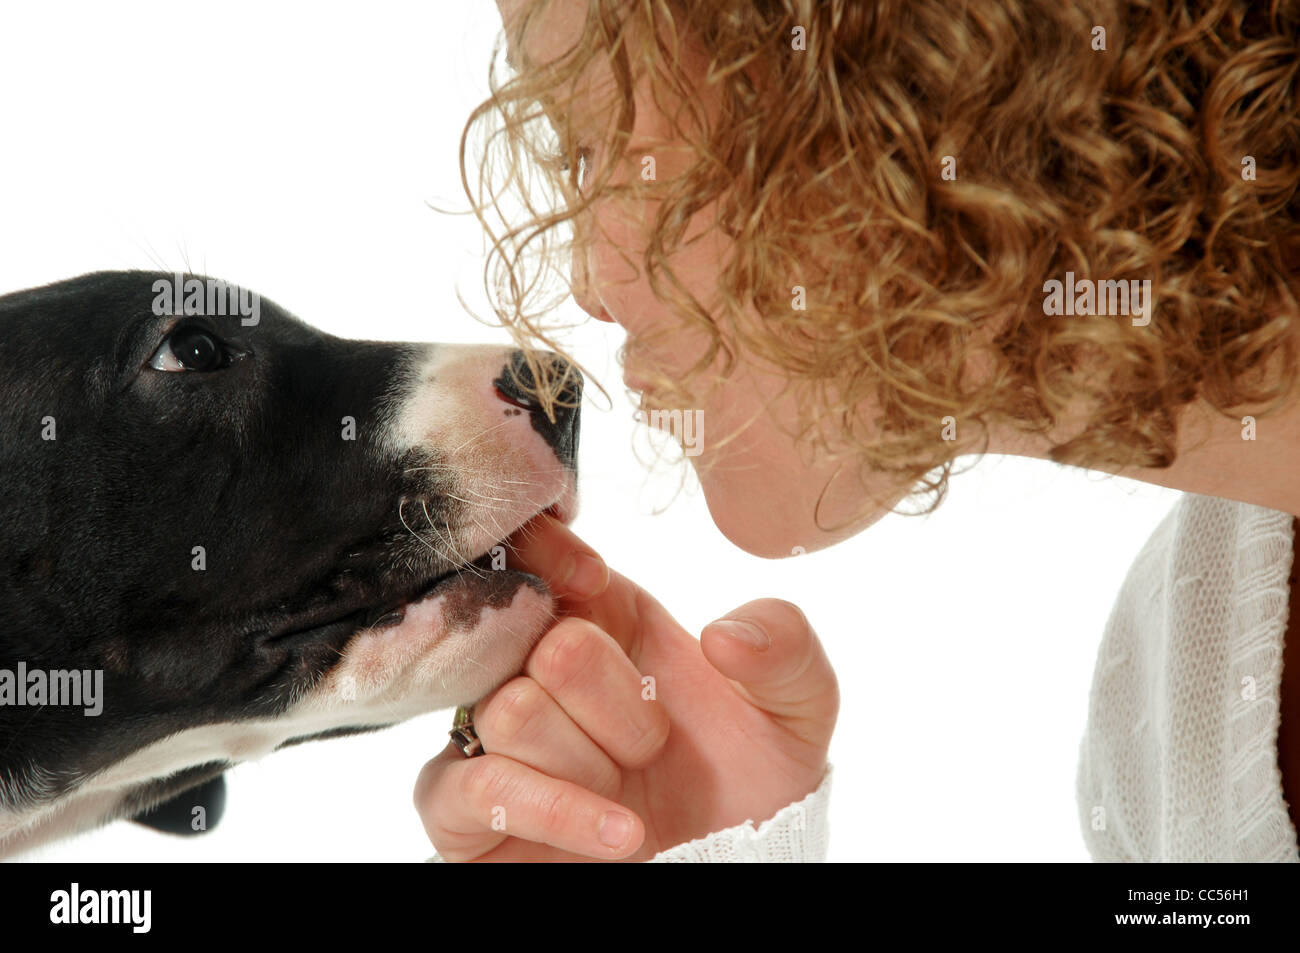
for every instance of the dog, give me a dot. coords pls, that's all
(226, 532)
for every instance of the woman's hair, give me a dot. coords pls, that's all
(921, 169)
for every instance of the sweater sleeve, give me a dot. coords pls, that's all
(798, 833)
(1178, 762)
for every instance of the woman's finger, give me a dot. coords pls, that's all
(545, 547)
(769, 649)
(523, 722)
(465, 804)
(548, 549)
(590, 676)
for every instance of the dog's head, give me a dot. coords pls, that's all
(250, 532)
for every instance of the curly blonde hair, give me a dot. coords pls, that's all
(1117, 158)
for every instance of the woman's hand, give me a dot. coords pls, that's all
(727, 730)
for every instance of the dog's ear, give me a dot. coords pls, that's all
(194, 811)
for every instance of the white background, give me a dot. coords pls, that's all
(292, 150)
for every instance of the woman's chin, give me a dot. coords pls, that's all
(751, 532)
(771, 533)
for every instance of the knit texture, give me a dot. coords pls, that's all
(798, 833)
(1179, 758)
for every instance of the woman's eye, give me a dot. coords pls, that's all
(584, 166)
(583, 170)
(190, 347)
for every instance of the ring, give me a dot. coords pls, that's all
(463, 734)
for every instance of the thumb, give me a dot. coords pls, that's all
(769, 649)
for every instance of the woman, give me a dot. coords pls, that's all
(863, 239)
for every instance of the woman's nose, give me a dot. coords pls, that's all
(583, 293)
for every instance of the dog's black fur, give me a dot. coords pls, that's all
(303, 541)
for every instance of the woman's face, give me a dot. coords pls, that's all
(760, 493)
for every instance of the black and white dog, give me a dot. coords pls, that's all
(224, 533)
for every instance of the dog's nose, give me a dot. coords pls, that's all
(518, 386)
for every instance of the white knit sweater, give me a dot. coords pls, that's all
(1179, 759)
(798, 833)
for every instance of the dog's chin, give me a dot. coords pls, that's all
(454, 645)
(429, 643)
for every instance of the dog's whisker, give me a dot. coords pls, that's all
(480, 435)
(476, 506)
(497, 499)
(462, 564)
(441, 555)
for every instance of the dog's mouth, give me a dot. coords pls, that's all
(479, 579)
(393, 611)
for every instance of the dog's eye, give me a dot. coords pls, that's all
(190, 347)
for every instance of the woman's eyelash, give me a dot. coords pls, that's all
(559, 160)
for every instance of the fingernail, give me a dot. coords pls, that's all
(614, 829)
(584, 575)
(746, 632)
